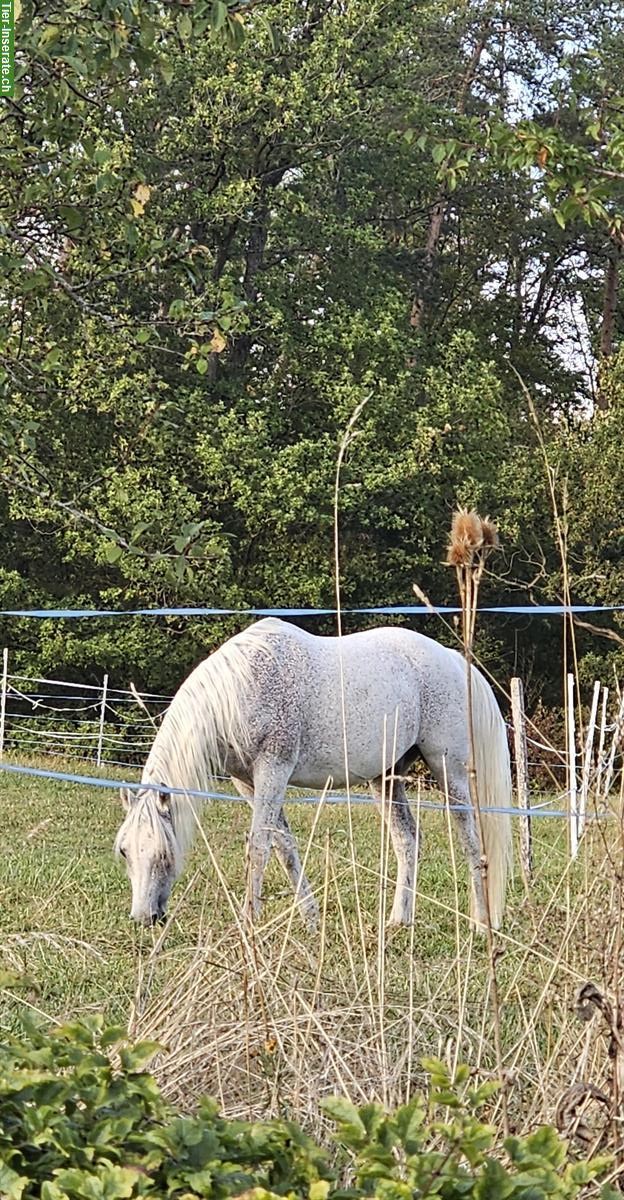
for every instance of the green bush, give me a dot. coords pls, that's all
(75, 1124)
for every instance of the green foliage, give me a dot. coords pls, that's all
(73, 1126)
(442, 1146)
(219, 236)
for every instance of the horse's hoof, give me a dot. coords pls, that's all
(401, 922)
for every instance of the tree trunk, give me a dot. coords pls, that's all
(254, 259)
(438, 211)
(433, 237)
(609, 306)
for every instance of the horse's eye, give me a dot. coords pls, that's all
(122, 852)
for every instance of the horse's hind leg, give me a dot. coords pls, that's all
(287, 852)
(405, 845)
(449, 771)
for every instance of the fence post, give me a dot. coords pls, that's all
(522, 774)
(587, 761)
(571, 756)
(601, 741)
(102, 718)
(3, 698)
(617, 733)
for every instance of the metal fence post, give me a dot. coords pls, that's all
(102, 719)
(3, 698)
(522, 774)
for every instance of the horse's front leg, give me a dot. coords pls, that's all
(287, 852)
(270, 783)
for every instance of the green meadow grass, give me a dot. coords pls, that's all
(64, 900)
(66, 936)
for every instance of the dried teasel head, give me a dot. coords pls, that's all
(490, 534)
(470, 534)
(466, 538)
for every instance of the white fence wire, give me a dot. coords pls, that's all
(88, 723)
(109, 726)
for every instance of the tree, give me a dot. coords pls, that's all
(217, 250)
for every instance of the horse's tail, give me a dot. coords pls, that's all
(491, 752)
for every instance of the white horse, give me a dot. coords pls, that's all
(276, 706)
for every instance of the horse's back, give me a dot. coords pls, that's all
(370, 689)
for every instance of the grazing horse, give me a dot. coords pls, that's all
(276, 706)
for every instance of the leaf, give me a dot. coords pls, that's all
(143, 336)
(52, 1191)
(112, 552)
(112, 1035)
(218, 15)
(184, 26)
(139, 529)
(346, 1116)
(134, 1058)
(79, 66)
(72, 217)
(193, 528)
(12, 1185)
(180, 567)
(235, 31)
(110, 1182)
(166, 70)
(105, 181)
(52, 359)
(269, 29)
(319, 1190)
(148, 32)
(140, 197)
(218, 342)
(201, 366)
(438, 152)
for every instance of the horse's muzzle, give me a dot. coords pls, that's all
(153, 918)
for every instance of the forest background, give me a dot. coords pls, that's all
(222, 228)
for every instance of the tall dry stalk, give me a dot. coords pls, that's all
(472, 540)
(347, 438)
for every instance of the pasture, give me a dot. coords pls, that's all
(270, 1022)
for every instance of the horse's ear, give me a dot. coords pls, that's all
(127, 797)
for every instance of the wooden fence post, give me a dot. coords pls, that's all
(571, 757)
(587, 760)
(617, 734)
(601, 741)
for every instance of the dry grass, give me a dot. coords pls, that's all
(271, 1020)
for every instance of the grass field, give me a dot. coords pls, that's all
(270, 1023)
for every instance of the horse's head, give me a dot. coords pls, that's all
(148, 845)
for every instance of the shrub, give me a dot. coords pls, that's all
(82, 1119)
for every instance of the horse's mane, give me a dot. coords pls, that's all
(203, 722)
